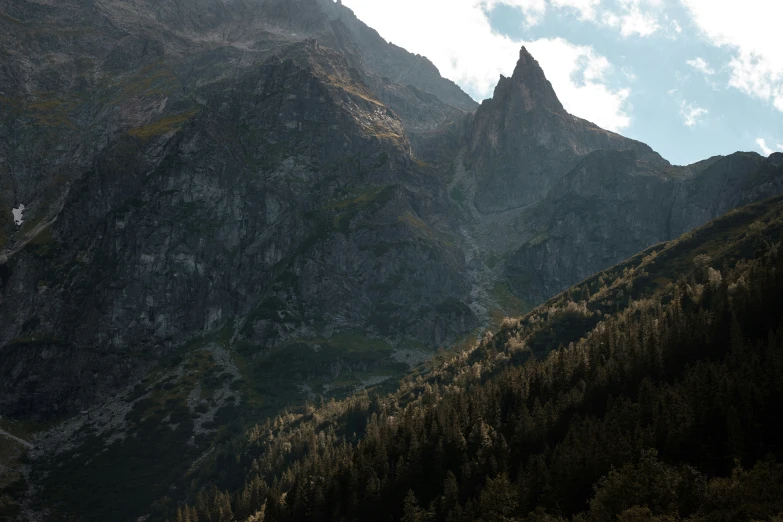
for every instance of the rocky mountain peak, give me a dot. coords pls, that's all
(265, 202)
(523, 141)
(528, 87)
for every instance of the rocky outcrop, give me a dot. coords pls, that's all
(612, 205)
(523, 142)
(386, 60)
(274, 172)
(207, 186)
(554, 198)
(721, 184)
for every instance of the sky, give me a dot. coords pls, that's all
(691, 78)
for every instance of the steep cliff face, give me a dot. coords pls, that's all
(192, 168)
(721, 184)
(522, 141)
(75, 75)
(386, 60)
(181, 186)
(613, 205)
(551, 199)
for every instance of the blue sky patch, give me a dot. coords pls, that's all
(691, 78)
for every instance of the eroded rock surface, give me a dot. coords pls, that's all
(275, 170)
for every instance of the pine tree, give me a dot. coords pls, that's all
(411, 510)
(498, 500)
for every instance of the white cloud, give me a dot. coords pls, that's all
(630, 17)
(577, 74)
(610, 19)
(780, 146)
(585, 8)
(629, 74)
(637, 22)
(701, 65)
(752, 31)
(691, 113)
(762, 143)
(534, 10)
(475, 62)
(636, 17)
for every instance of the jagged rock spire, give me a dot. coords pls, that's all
(528, 87)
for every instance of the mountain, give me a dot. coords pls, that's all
(188, 177)
(186, 170)
(646, 392)
(233, 207)
(613, 204)
(552, 198)
(522, 141)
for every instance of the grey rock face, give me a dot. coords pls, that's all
(723, 184)
(522, 141)
(612, 205)
(206, 186)
(385, 59)
(554, 198)
(273, 170)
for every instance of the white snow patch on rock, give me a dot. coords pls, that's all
(18, 215)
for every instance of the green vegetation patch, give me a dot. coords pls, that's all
(452, 306)
(43, 244)
(412, 220)
(458, 194)
(511, 305)
(312, 355)
(121, 481)
(375, 197)
(367, 199)
(163, 126)
(562, 329)
(333, 367)
(52, 113)
(11, 20)
(541, 237)
(150, 80)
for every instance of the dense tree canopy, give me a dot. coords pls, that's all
(660, 404)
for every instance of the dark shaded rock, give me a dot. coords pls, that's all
(269, 171)
(612, 206)
(270, 193)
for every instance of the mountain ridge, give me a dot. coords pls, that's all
(236, 207)
(515, 160)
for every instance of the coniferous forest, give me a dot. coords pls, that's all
(634, 396)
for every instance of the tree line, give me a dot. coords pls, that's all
(667, 410)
